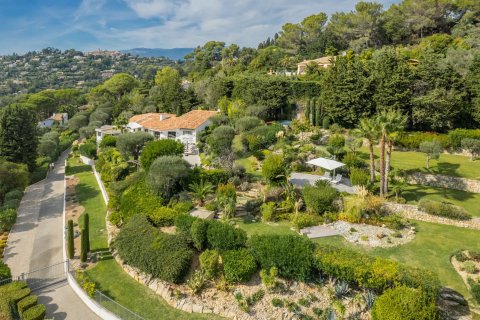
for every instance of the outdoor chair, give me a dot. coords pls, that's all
(337, 179)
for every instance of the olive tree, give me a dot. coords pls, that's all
(165, 175)
(432, 150)
(130, 144)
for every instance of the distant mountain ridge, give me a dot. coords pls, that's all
(174, 53)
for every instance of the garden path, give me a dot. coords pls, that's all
(301, 179)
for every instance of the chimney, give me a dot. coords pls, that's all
(162, 117)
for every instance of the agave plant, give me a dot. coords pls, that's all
(341, 289)
(369, 299)
(200, 191)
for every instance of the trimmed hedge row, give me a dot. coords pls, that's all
(373, 273)
(290, 254)
(165, 256)
(238, 265)
(15, 300)
(452, 140)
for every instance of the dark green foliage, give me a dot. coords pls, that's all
(7, 216)
(130, 144)
(412, 140)
(359, 177)
(162, 216)
(404, 303)
(83, 245)
(273, 168)
(4, 271)
(319, 198)
(165, 175)
(88, 150)
(290, 254)
(214, 176)
(443, 209)
(261, 137)
(326, 122)
(86, 226)
(108, 141)
(308, 110)
(6, 293)
(165, 256)
(247, 123)
(70, 240)
(220, 140)
(35, 313)
(183, 223)
(18, 132)
(26, 303)
(474, 289)
(18, 295)
(209, 263)
(159, 148)
(198, 232)
(13, 176)
(13, 195)
(318, 115)
(222, 236)
(238, 265)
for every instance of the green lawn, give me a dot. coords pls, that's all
(281, 227)
(467, 200)
(108, 275)
(431, 249)
(90, 196)
(247, 163)
(452, 165)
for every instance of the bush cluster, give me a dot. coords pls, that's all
(359, 177)
(222, 236)
(290, 254)
(373, 273)
(413, 140)
(167, 257)
(261, 137)
(88, 150)
(209, 263)
(319, 198)
(162, 216)
(404, 303)
(443, 209)
(238, 265)
(15, 298)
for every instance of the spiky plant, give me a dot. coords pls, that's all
(200, 191)
(341, 289)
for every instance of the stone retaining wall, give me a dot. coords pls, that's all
(441, 181)
(411, 212)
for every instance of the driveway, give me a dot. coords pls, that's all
(36, 241)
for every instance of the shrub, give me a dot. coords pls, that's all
(469, 267)
(13, 195)
(247, 123)
(162, 216)
(359, 177)
(273, 168)
(268, 211)
(326, 122)
(301, 220)
(198, 232)
(88, 150)
(261, 137)
(5, 272)
(290, 254)
(238, 265)
(404, 303)
(456, 136)
(269, 278)
(209, 263)
(226, 198)
(222, 236)
(137, 198)
(220, 140)
(165, 256)
(7, 219)
(183, 223)
(108, 141)
(35, 313)
(196, 282)
(319, 198)
(165, 175)
(412, 140)
(460, 256)
(18, 295)
(26, 303)
(277, 303)
(159, 148)
(443, 209)
(11, 204)
(474, 289)
(472, 145)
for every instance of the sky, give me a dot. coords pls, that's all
(85, 25)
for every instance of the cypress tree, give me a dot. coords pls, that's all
(86, 222)
(318, 115)
(70, 244)
(313, 113)
(307, 111)
(83, 247)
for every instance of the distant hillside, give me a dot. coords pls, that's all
(174, 53)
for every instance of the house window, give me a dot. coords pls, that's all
(187, 133)
(171, 135)
(157, 135)
(99, 134)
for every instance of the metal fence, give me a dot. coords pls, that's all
(115, 308)
(44, 277)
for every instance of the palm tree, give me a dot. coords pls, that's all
(395, 124)
(382, 121)
(200, 191)
(368, 129)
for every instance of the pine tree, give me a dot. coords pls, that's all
(86, 222)
(83, 246)
(70, 244)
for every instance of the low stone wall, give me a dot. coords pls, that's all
(411, 212)
(441, 181)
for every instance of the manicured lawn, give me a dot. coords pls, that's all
(90, 196)
(247, 163)
(452, 165)
(431, 249)
(115, 283)
(108, 275)
(258, 227)
(467, 200)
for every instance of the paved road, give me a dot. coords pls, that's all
(36, 242)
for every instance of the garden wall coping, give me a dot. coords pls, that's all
(442, 181)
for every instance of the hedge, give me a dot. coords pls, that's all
(6, 292)
(165, 256)
(198, 232)
(373, 273)
(456, 136)
(26, 303)
(290, 254)
(209, 263)
(162, 216)
(138, 199)
(35, 313)
(238, 265)
(443, 209)
(319, 198)
(404, 303)
(183, 223)
(222, 236)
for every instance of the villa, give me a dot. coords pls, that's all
(59, 118)
(106, 130)
(184, 128)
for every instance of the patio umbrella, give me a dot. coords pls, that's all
(326, 164)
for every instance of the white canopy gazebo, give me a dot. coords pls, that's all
(327, 164)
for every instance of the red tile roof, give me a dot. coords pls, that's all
(190, 120)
